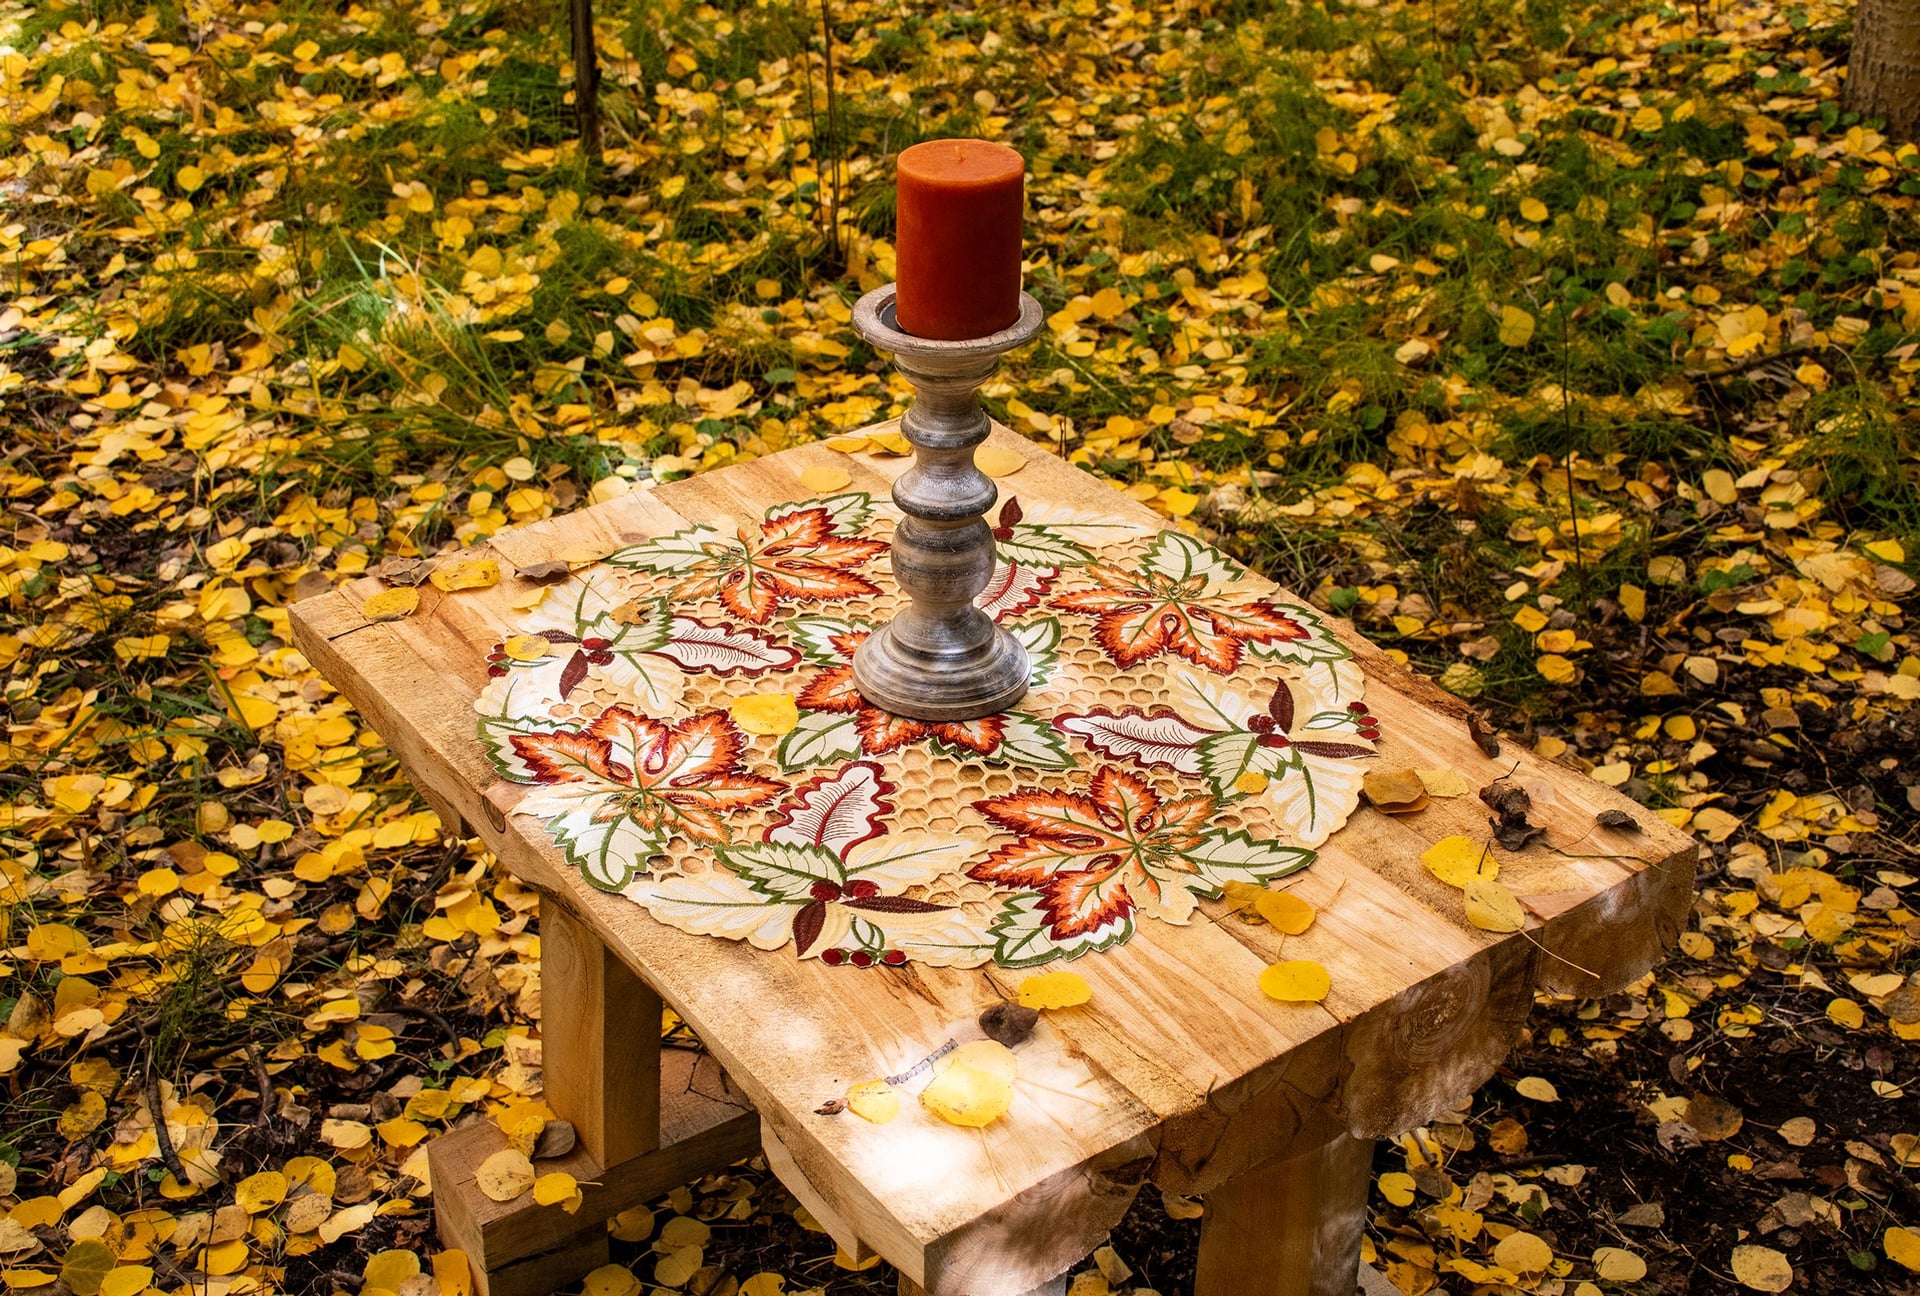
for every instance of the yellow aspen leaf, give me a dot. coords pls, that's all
(259, 1193)
(386, 1270)
(848, 444)
(505, 1175)
(189, 178)
(466, 574)
(677, 1266)
(1718, 483)
(1617, 1264)
(1492, 907)
(224, 1257)
(1296, 981)
(766, 713)
(1534, 210)
(1902, 1246)
(1108, 303)
(1284, 911)
(1395, 791)
(998, 461)
(874, 1101)
(1055, 990)
(824, 479)
(527, 647)
(764, 1284)
(1523, 1252)
(558, 1188)
(1761, 1268)
(612, 1280)
(1555, 669)
(841, 1260)
(1847, 1013)
(1397, 1187)
(1178, 503)
(1443, 782)
(127, 1280)
(1538, 1088)
(1516, 327)
(391, 604)
(86, 1265)
(896, 443)
(1458, 860)
(974, 1085)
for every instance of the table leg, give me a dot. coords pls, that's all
(599, 1040)
(1289, 1228)
(642, 1127)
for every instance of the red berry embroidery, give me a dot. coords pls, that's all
(894, 958)
(826, 890)
(832, 957)
(595, 642)
(1275, 740)
(601, 658)
(862, 959)
(861, 888)
(496, 672)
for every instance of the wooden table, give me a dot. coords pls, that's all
(1179, 1072)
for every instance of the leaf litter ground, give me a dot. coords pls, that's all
(1568, 349)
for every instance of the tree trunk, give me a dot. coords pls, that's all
(1883, 75)
(586, 77)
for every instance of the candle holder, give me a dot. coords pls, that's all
(941, 658)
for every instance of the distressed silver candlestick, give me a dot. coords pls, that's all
(941, 657)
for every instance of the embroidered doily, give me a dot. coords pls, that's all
(1188, 726)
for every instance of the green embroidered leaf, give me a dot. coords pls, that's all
(817, 637)
(1222, 857)
(1036, 546)
(607, 846)
(1225, 757)
(1028, 740)
(782, 871)
(1178, 557)
(1041, 639)
(682, 551)
(1020, 937)
(820, 738)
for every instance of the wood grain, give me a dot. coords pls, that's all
(1289, 1228)
(1180, 1069)
(600, 1040)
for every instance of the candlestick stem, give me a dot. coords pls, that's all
(941, 658)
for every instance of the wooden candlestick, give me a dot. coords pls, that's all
(941, 657)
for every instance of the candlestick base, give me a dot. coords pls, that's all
(941, 658)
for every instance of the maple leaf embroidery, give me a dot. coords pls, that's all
(803, 552)
(1180, 600)
(829, 877)
(1010, 736)
(620, 788)
(1094, 857)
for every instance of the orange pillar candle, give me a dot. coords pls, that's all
(957, 242)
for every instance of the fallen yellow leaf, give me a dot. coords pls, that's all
(1055, 990)
(998, 461)
(1492, 907)
(973, 1085)
(874, 1100)
(1458, 860)
(391, 604)
(1285, 911)
(824, 479)
(1296, 981)
(766, 713)
(466, 574)
(505, 1175)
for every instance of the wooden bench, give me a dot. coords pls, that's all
(1180, 1072)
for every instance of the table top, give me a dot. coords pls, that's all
(828, 896)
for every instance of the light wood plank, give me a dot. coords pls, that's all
(705, 1126)
(1290, 1228)
(600, 1039)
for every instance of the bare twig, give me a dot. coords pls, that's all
(160, 1135)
